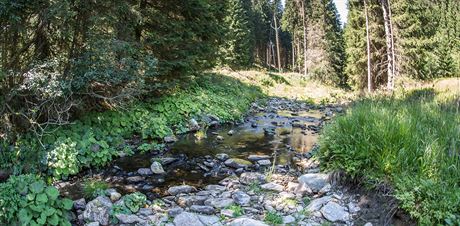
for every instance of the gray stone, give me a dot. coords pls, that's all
(264, 162)
(128, 218)
(209, 220)
(135, 179)
(187, 219)
(92, 224)
(181, 189)
(214, 187)
(175, 211)
(170, 139)
(241, 198)
(144, 171)
(185, 201)
(219, 202)
(316, 204)
(256, 158)
(157, 168)
(145, 211)
(353, 207)
(315, 181)
(222, 156)
(113, 194)
(98, 210)
(193, 125)
(237, 163)
(288, 219)
(202, 209)
(79, 204)
(247, 222)
(167, 160)
(368, 224)
(220, 138)
(272, 186)
(227, 212)
(252, 178)
(335, 212)
(230, 132)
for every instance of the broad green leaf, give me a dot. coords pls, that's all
(49, 211)
(41, 198)
(67, 204)
(37, 187)
(52, 192)
(24, 216)
(53, 220)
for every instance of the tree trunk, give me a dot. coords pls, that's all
(293, 52)
(369, 76)
(389, 44)
(278, 55)
(304, 38)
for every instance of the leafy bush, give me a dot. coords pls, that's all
(410, 142)
(94, 188)
(134, 201)
(27, 200)
(273, 218)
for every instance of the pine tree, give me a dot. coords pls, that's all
(239, 40)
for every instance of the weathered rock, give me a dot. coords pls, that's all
(98, 210)
(209, 220)
(193, 125)
(298, 189)
(264, 162)
(222, 156)
(241, 198)
(185, 201)
(353, 207)
(167, 160)
(220, 138)
(202, 209)
(113, 194)
(214, 187)
(316, 204)
(135, 179)
(175, 211)
(272, 186)
(315, 181)
(170, 139)
(230, 132)
(335, 212)
(256, 158)
(187, 219)
(157, 168)
(227, 212)
(288, 219)
(219, 202)
(128, 218)
(247, 222)
(79, 204)
(237, 163)
(145, 212)
(252, 178)
(92, 224)
(144, 171)
(181, 189)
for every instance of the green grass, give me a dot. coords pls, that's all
(237, 210)
(411, 142)
(273, 218)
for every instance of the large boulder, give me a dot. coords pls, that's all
(334, 212)
(315, 181)
(98, 210)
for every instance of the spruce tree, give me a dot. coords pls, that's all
(239, 40)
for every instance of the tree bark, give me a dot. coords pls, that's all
(389, 44)
(304, 37)
(369, 75)
(277, 41)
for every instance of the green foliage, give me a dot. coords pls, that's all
(27, 200)
(134, 201)
(409, 142)
(94, 188)
(273, 218)
(98, 137)
(237, 210)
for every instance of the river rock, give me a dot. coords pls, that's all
(144, 171)
(175, 211)
(113, 194)
(237, 163)
(79, 204)
(128, 218)
(98, 210)
(181, 189)
(220, 138)
(264, 162)
(315, 181)
(230, 132)
(157, 168)
(167, 160)
(222, 156)
(187, 219)
(209, 220)
(316, 204)
(202, 209)
(170, 139)
(256, 158)
(272, 187)
(191, 200)
(252, 178)
(335, 212)
(219, 202)
(135, 179)
(92, 224)
(289, 219)
(247, 222)
(193, 125)
(241, 198)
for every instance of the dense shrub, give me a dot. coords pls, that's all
(27, 200)
(410, 142)
(98, 137)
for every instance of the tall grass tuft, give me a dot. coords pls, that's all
(411, 142)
